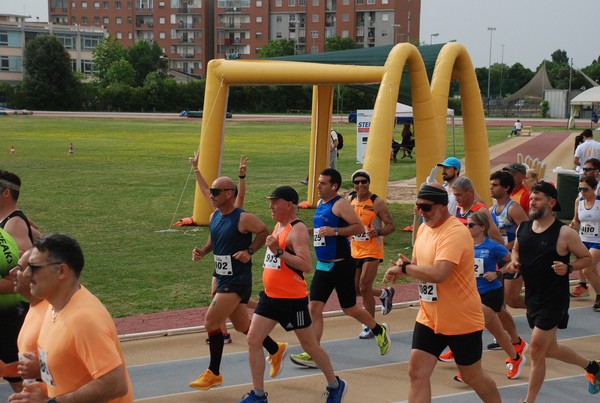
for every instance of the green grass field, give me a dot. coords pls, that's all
(129, 179)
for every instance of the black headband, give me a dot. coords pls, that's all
(434, 194)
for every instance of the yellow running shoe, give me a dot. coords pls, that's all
(206, 381)
(276, 359)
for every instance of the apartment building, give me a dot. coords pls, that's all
(15, 32)
(192, 32)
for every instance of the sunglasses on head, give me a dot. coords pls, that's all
(216, 191)
(472, 224)
(424, 206)
(582, 189)
(360, 181)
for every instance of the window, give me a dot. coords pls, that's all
(4, 63)
(360, 2)
(3, 38)
(346, 2)
(84, 20)
(68, 41)
(302, 3)
(118, 20)
(259, 19)
(10, 63)
(278, 18)
(105, 5)
(370, 1)
(118, 5)
(162, 35)
(277, 3)
(258, 3)
(385, 17)
(96, 20)
(161, 20)
(73, 20)
(84, 4)
(119, 35)
(315, 3)
(130, 35)
(86, 66)
(73, 4)
(384, 33)
(291, 3)
(315, 18)
(278, 35)
(129, 20)
(384, 1)
(97, 5)
(258, 35)
(345, 34)
(89, 42)
(106, 20)
(129, 7)
(346, 17)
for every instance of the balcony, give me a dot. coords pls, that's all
(232, 10)
(144, 11)
(185, 40)
(188, 25)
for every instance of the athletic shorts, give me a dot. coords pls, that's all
(360, 262)
(466, 348)
(548, 319)
(592, 245)
(291, 313)
(493, 299)
(340, 278)
(11, 320)
(244, 291)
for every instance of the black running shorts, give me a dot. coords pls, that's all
(340, 278)
(548, 319)
(466, 348)
(493, 299)
(290, 313)
(244, 291)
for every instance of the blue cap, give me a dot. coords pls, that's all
(450, 162)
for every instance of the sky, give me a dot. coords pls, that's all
(530, 30)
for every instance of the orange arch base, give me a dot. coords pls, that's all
(430, 103)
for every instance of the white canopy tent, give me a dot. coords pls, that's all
(589, 97)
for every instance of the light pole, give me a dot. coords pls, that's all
(491, 29)
(431, 37)
(396, 28)
(501, 70)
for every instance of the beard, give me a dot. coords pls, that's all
(536, 215)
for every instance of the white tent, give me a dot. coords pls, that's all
(406, 110)
(589, 97)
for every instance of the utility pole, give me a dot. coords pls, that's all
(491, 29)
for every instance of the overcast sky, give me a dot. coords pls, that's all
(530, 30)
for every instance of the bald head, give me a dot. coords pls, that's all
(224, 182)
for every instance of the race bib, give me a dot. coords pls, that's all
(428, 292)
(318, 240)
(271, 261)
(44, 370)
(589, 229)
(223, 265)
(361, 237)
(478, 267)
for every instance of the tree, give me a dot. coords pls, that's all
(49, 82)
(334, 43)
(279, 47)
(108, 51)
(145, 57)
(560, 57)
(120, 72)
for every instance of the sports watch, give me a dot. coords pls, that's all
(279, 253)
(251, 251)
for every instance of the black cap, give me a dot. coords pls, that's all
(516, 167)
(549, 190)
(286, 193)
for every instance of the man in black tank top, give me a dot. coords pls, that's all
(541, 252)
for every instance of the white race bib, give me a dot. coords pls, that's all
(44, 370)
(223, 265)
(318, 240)
(478, 267)
(361, 237)
(428, 292)
(589, 229)
(271, 261)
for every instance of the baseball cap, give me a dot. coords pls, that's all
(549, 190)
(450, 162)
(286, 193)
(516, 167)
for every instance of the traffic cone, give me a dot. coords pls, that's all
(71, 150)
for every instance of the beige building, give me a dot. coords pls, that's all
(15, 31)
(192, 32)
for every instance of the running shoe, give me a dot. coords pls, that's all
(387, 301)
(596, 306)
(580, 292)
(336, 395)
(515, 366)
(594, 382)
(383, 340)
(458, 378)
(366, 334)
(304, 181)
(521, 347)
(252, 398)
(447, 357)
(303, 359)
(206, 381)
(276, 359)
(494, 346)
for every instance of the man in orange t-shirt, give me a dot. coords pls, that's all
(79, 351)
(450, 312)
(520, 193)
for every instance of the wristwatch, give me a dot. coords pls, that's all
(569, 268)
(251, 251)
(52, 400)
(279, 252)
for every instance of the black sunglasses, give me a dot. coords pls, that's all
(588, 169)
(472, 224)
(582, 189)
(215, 192)
(424, 206)
(360, 181)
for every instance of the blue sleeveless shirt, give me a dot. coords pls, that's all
(336, 247)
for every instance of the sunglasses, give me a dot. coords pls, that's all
(215, 192)
(588, 169)
(360, 181)
(472, 224)
(424, 207)
(583, 190)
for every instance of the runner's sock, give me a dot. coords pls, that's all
(383, 293)
(377, 330)
(592, 367)
(583, 284)
(334, 385)
(259, 393)
(216, 343)
(270, 345)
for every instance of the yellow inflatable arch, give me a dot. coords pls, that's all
(429, 107)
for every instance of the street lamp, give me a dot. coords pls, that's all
(501, 70)
(431, 37)
(491, 29)
(396, 28)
